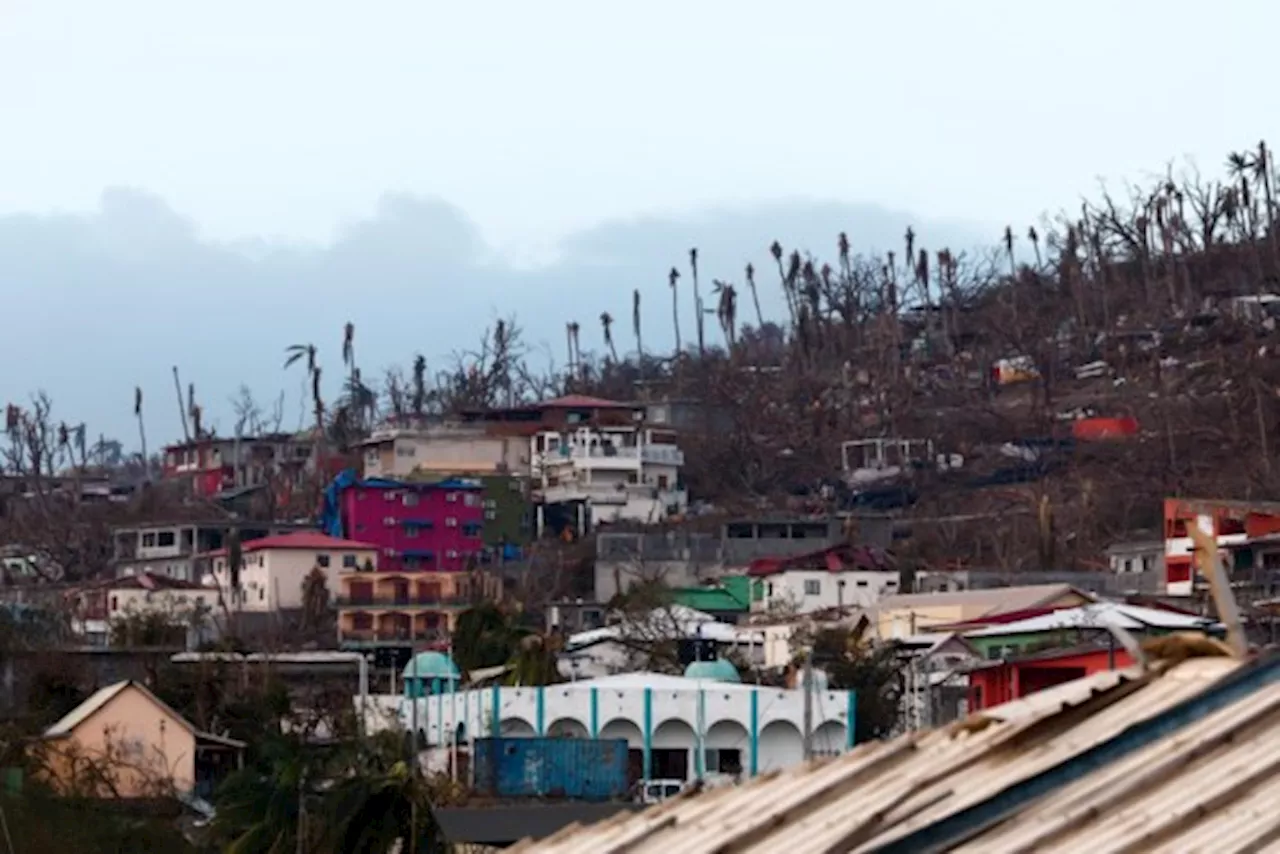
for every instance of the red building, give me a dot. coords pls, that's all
(215, 464)
(1232, 524)
(1004, 681)
(427, 527)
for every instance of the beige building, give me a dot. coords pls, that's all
(905, 615)
(273, 569)
(124, 742)
(445, 449)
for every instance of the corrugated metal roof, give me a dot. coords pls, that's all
(103, 696)
(1182, 757)
(81, 713)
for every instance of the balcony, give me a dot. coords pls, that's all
(620, 457)
(405, 602)
(375, 637)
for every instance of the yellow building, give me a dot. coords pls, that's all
(908, 614)
(125, 742)
(401, 608)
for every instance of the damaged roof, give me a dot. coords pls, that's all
(1178, 757)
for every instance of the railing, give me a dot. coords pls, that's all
(663, 454)
(376, 601)
(390, 635)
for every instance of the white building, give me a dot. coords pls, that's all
(627, 644)
(675, 727)
(96, 607)
(272, 569)
(629, 473)
(804, 591)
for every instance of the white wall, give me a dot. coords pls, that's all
(620, 713)
(179, 603)
(815, 590)
(271, 579)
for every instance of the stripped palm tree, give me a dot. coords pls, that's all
(419, 398)
(672, 278)
(1034, 237)
(775, 249)
(727, 311)
(606, 324)
(635, 328)
(1008, 248)
(142, 428)
(697, 302)
(296, 353)
(755, 296)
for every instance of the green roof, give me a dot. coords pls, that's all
(716, 671)
(732, 594)
(430, 665)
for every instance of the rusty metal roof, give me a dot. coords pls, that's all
(1180, 757)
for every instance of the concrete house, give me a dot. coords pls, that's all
(125, 742)
(272, 569)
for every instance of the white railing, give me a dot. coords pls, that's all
(626, 457)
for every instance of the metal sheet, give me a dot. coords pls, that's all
(578, 768)
(885, 791)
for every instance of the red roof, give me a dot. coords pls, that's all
(581, 401)
(301, 540)
(149, 581)
(837, 558)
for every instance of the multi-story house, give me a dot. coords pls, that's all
(406, 609)
(215, 465)
(588, 475)
(274, 569)
(173, 549)
(445, 449)
(95, 607)
(1235, 525)
(429, 541)
(839, 577)
(417, 527)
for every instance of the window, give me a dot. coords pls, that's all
(472, 500)
(723, 760)
(322, 561)
(149, 541)
(451, 522)
(452, 553)
(115, 604)
(405, 450)
(165, 538)
(348, 561)
(813, 587)
(451, 497)
(390, 495)
(490, 515)
(411, 499)
(411, 531)
(262, 593)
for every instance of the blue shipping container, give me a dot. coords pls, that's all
(587, 769)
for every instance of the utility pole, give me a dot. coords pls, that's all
(808, 703)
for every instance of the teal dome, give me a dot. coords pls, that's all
(431, 665)
(715, 671)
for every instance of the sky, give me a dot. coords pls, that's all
(204, 184)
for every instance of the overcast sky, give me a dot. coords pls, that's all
(204, 183)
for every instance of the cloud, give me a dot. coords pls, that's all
(102, 301)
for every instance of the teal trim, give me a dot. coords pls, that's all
(440, 720)
(541, 701)
(755, 731)
(648, 733)
(699, 743)
(595, 712)
(495, 722)
(851, 721)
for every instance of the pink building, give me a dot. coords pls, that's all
(427, 527)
